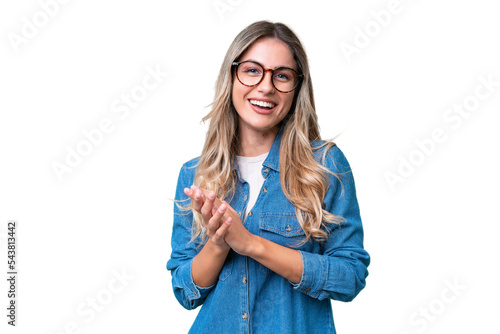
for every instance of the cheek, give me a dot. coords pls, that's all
(238, 91)
(233, 91)
(288, 101)
(238, 97)
(235, 96)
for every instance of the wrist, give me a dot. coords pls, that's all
(218, 250)
(256, 247)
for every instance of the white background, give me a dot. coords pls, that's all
(112, 212)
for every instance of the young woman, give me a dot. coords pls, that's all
(271, 231)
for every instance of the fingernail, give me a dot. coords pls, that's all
(229, 220)
(211, 195)
(222, 208)
(187, 191)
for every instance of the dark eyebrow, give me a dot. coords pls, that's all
(255, 61)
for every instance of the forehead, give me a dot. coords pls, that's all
(271, 53)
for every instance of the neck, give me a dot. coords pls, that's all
(254, 143)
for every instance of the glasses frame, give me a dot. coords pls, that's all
(238, 63)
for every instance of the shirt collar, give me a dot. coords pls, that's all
(273, 159)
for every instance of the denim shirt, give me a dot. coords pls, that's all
(250, 298)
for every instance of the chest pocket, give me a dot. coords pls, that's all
(283, 229)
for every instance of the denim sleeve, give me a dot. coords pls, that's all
(189, 295)
(339, 272)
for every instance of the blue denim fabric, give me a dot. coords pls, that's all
(250, 298)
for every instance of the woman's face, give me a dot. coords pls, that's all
(270, 53)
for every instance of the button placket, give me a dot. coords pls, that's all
(244, 288)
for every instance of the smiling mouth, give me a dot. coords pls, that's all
(262, 104)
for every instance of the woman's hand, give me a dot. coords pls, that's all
(218, 226)
(214, 221)
(223, 222)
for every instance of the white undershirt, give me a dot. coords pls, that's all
(251, 171)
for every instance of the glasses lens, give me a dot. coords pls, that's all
(285, 79)
(250, 73)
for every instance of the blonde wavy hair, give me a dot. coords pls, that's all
(305, 181)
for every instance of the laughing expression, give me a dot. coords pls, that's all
(261, 108)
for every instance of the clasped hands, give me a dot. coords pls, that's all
(223, 224)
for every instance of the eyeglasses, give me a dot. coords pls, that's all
(251, 73)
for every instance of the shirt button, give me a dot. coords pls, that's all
(239, 213)
(245, 198)
(266, 170)
(250, 214)
(307, 290)
(244, 280)
(264, 190)
(288, 228)
(244, 316)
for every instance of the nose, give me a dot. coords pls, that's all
(266, 85)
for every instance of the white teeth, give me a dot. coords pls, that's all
(262, 103)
